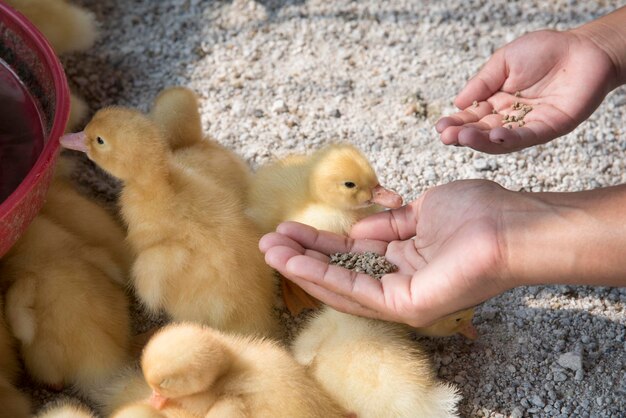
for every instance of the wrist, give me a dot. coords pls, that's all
(566, 238)
(608, 34)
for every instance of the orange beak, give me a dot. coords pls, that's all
(468, 331)
(157, 400)
(77, 141)
(385, 197)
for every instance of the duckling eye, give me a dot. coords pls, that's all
(349, 184)
(100, 141)
(458, 320)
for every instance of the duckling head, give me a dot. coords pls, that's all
(456, 323)
(342, 177)
(122, 141)
(182, 360)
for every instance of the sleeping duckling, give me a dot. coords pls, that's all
(197, 254)
(372, 368)
(329, 190)
(14, 403)
(175, 110)
(68, 28)
(210, 373)
(53, 282)
(456, 323)
(66, 409)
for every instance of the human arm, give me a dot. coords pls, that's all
(563, 76)
(472, 240)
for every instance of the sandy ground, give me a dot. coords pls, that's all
(277, 77)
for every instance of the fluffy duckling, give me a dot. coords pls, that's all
(371, 368)
(456, 323)
(210, 373)
(90, 222)
(127, 386)
(53, 283)
(197, 254)
(175, 110)
(144, 410)
(68, 28)
(66, 409)
(9, 365)
(329, 190)
(14, 403)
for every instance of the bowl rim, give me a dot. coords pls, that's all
(61, 104)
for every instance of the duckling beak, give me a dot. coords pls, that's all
(385, 197)
(77, 141)
(157, 400)
(469, 331)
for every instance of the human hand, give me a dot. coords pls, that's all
(563, 76)
(447, 245)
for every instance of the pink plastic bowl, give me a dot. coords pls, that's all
(30, 56)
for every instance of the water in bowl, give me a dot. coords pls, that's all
(21, 131)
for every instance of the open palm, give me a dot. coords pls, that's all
(562, 76)
(444, 243)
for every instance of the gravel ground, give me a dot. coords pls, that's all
(277, 77)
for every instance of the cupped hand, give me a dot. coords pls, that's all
(447, 245)
(561, 77)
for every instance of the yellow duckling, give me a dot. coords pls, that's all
(197, 252)
(371, 368)
(329, 190)
(209, 373)
(175, 110)
(456, 323)
(14, 403)
(68, 28)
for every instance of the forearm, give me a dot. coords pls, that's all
(567, 238)
(609, 34)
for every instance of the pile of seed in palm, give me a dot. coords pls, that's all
(370, 263)
(519, 118)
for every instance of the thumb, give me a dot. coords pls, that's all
(390, 225)
(485, 83)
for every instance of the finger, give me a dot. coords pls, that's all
(357, 293)
(359, 287)
(317, 255)
(485, 83)
(450, 126)
(327, 242)
(532, 133)
(451, 135)
(472, 113)
(478, 139)
(338, 302)
(274, 239)
(488, 136)
(278, 257)
(447, 121)
(391, 225)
